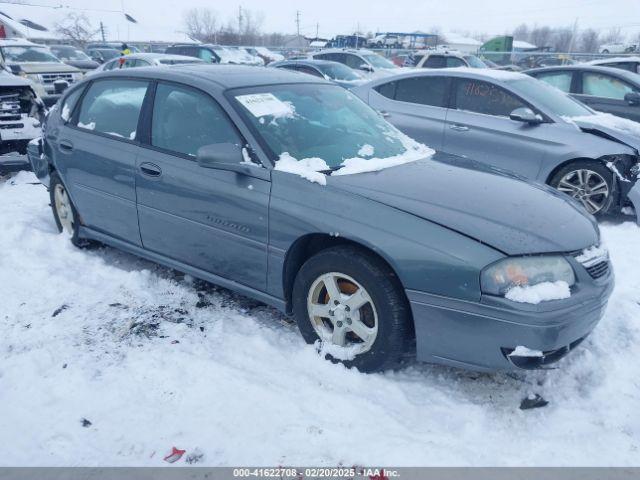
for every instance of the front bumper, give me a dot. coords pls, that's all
(480, 335)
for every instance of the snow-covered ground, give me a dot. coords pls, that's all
(154, 360)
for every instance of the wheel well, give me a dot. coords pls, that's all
(307, 246)
(564, 164)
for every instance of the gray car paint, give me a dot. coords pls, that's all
(436, 238)
(535, 151)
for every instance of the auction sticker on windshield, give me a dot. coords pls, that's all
(261, 104)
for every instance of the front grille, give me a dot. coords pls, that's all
(10, 109)
(598, 270)
(52, 77)
(596, 265)
(11, 126)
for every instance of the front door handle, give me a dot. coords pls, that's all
(150, 169)
(65, 146)
(459, 128)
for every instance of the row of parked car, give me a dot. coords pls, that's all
(316, 199)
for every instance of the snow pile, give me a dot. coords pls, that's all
(66, 113)
(308, 168)
(592, 255)
(154, 360)
(366, 151)
(540, 292)
(88, 126)
(522, 351)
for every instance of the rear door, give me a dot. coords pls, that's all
(416, 105)
(212, 219)
(97, 151)
(478, 127)
(605, 93)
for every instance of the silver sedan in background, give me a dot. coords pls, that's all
(514, 122)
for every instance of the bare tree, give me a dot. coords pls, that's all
(589, 41)
(251, 26)
(76, 28)
(562, 39)
(614, 35)
(540, 36)
(521, 32)
(201, 24)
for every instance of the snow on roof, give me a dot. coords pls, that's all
(116, 25)
(634, 58)
(522, 44)
(455, 38)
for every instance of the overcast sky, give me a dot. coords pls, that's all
(346, 16)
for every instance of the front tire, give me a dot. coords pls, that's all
(589, 182)
(353, 303)
(64, 212)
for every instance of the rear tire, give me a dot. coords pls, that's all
(64, 212)
(373, 337)
(589, 182)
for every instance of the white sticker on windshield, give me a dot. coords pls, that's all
(261, 104)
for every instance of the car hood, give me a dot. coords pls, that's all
(10, 80)
(507, 212)
(83, 64)
(596, 126)
(45, 67)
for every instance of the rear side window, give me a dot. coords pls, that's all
(387, 90)
(422, 90)
(453, 62)
(113, 107)
(185, 119)
(560, 80)
(632, 67)
(484, 97)
(604, 86)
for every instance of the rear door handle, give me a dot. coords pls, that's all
(150, 169)
(65, 146)
(459, 128)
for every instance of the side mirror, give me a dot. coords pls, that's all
(366, 67)
(525, 115)
(223, 156)
(632, 98)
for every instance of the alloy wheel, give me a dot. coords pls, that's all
(342, 312)
(586, 186)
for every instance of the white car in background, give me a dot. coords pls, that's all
(618, 48)
(144, 60)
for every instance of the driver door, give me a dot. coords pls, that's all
(478, 127)
(215, 220)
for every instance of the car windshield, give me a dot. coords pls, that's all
(338, 71)
(548, 97)
(319, 121)
(70, 54)
(28, 53)
(475, 62)
(377, 61)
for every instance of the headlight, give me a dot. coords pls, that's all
(77, 76)
(499, 277)
(34, 77)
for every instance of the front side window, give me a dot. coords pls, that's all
(113, 107)
(422, 90)
(185, 120)
(387, 90)
(69, 103)
(435, 61)
(354, 61)
(629, 66)
(206, 55)
(560, 80)
(484, 97)
(318, 121)
(604, 86)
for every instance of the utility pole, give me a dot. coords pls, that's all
(298, 22)
(102, 34)
(240, 25)
(317, 29)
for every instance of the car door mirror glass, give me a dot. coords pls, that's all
(632, 98)
(223, 156)
(525, 115)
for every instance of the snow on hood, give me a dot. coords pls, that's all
(622, 129)
(312, 168)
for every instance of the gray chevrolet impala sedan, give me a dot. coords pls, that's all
(291, 190)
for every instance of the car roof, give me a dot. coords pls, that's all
(615, 60)
(464, 72)
(220, 76)
(307, 61)
(585, 67)
(159, 56)
(344, 50)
